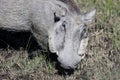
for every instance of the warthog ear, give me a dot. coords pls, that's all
(88, 17)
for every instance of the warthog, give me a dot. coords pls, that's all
(54, 23)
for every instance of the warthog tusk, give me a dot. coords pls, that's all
(57, 53)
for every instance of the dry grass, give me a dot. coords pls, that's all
(101, 61)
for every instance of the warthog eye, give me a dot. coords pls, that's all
(64, 26)
(56, 19)
(84, 33)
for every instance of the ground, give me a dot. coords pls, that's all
(100, 63)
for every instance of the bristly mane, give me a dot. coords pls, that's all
(72, 5)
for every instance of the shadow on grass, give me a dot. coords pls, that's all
(24, 40)
(16, 40)
(52, 58)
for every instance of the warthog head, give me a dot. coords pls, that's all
(69, 38)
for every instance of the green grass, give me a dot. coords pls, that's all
(16, 64)
(102, 58)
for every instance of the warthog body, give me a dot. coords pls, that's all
(54, 23)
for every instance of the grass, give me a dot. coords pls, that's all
(101, 61)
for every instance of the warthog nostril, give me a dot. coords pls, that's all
(72, 67)
(68, 67)
(82, 55)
